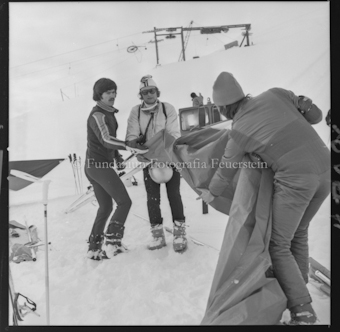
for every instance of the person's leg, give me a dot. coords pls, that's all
(104, 201)
(299, 245)
(153, 199)
(105, 208)
(180, 241)
(108, 181)
(155, 217)
(290, 201)
(174, 196)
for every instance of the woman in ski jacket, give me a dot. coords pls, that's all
(276, 127)
(102, 150)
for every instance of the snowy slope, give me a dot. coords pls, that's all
(160, 287)
(139, 287)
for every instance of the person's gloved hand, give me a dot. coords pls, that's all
(135, 147)
(206, 195)
(142, 159)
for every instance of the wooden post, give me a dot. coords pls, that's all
(156, 46)
(183, 50)
(247, 34)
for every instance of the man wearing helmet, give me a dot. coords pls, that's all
(145, 120)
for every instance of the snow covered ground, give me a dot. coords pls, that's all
(140, 287)
(290, 50)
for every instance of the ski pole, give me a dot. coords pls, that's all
(75, 164)
(45, 200)
(12, 293)
(81, 175)
(74, 175)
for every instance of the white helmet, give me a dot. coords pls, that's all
(160, 173)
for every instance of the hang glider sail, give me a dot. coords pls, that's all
(25, 172)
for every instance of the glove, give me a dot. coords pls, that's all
(137, 149)
(206, 195)
(142, 159)
(309, 110)
(305, 104)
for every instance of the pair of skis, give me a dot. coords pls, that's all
(77, 173)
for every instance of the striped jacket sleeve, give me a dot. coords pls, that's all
(101, 130)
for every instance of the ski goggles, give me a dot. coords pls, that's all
(145, 92)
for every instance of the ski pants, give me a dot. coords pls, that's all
(108, 186)
(154, 197)
(296, 200)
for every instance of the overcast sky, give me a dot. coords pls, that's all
(58, 46)
(39, 30)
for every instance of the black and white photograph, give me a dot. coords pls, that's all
(169, 163)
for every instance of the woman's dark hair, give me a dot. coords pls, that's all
(229, 111)
(101, 86)
(193, 95)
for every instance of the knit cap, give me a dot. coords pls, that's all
(146, 82)
(226, 90)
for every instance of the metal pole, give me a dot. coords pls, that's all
(45, 200)
(247, 34)
(156, 45)
(243, 40)
(182, 44)
(204, 207)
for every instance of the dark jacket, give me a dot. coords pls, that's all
(271, 126)
(102, 144)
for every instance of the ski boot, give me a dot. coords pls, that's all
(302, 314)
(113, 240)
(95, 247)
(158, 237)
(180, 242)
